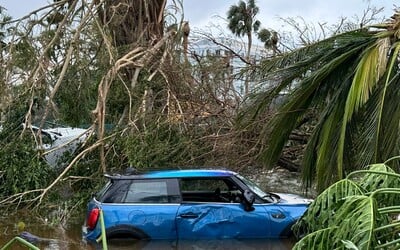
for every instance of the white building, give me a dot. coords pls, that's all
(233, 51)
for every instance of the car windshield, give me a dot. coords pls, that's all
(252, 186)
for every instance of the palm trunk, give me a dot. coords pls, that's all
(246, 83)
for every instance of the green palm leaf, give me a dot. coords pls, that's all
(354, 221)
(351, 82)
(376, 177)
(393, 60)
(390, 129)
(361, 209)
(388, 230)
(319, 240)
(302, 97)
(328, 72)
(321, 211)
(369, 71)
(379, 176)
(357, 218)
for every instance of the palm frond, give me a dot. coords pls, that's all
(319, 240)
(357, 218)
(376, 177)
(388, 231)
(350, 81)
(362, 130)
(311, 73)
(327, 144)
(354, 221)
(362, 210)
(300, 100)
(390, 129)
(374, 129)
(369, 71)
(393, 60)
(321, 212)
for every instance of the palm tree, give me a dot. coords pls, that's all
(350, 81)
(270, 39)
(242, 22)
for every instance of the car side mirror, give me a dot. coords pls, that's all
(248, 200)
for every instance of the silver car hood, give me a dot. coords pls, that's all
(293, 199)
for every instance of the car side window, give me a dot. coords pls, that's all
(203, 185)
(150, 191)
(147, 192)
(208, 190)
(116, 193)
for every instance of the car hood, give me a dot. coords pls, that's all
(293, 199)
(67, 132)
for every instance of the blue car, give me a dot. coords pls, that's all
(190, 204)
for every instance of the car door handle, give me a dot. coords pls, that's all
(189, 216)
(278, 216)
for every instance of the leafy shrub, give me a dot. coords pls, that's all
(360, 211)
(158, 147)
(22, 168)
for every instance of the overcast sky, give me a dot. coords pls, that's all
(201, 13)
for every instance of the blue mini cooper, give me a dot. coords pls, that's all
(190, 204)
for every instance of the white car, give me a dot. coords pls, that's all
(61, 140)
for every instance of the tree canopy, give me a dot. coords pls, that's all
(349, 83)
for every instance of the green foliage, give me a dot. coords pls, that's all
(349, 81)
(24, 54)
(76, 97)
(374, 180)
(88, 169)
(334, 197)
(77, 94)
(359, 213)
(22, 168)
(269, 38)
(242, 18)
(160, 146)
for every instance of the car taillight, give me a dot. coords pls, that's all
(92, 218)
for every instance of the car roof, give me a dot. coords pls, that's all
(176, 174)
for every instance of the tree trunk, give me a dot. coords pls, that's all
(132, 24)
(134, 21)
(248, 58)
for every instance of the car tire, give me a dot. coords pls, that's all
(126, 231)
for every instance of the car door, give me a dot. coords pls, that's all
(147, 205)
(201, 216)
(220, 220)
(280, 221)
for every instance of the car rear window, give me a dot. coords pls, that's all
(144, 191)
(147, 191)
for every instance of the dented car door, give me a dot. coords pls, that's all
(221, 220)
